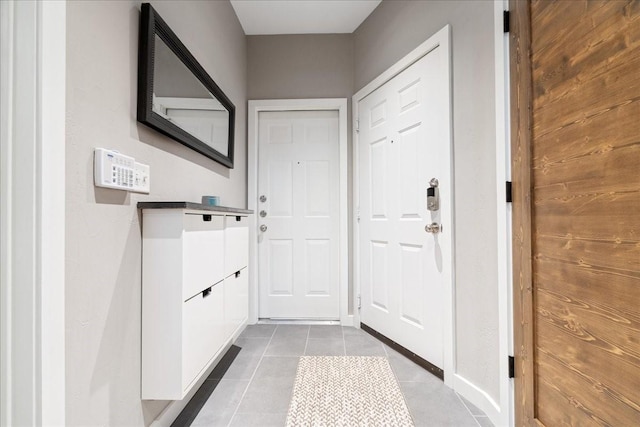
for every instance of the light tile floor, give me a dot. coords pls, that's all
(257, 387)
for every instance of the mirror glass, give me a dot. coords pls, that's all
(176, 95)
(181, 98)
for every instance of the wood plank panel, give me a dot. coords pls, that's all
(584, 102)
(619, 259)
(584, 17)
(620, 228)
(603, 392)
(611, 331)
(598, 133)
(584, 172)
(520, 111)
(600, 172)
(573, 402)
(593, 204)
(556, 14)
(590, 284)
(593, 26)
(578, 367)
(589, 58)
(550, 413)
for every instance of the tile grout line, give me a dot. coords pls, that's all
(386, 353)
(306, 343)
(467, 408)
(252, 376)
(398, 382)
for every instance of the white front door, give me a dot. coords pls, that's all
(403, 143)
(298, 214)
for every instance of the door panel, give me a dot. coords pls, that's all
(577, 270)
(317, 193)
(280, 268)
(280, 186)
(403, 143)
(412, 276)
(318, 267)
(379, 276)
(298, 173)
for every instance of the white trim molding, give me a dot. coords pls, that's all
(326, 104)
(502, 415)
(32, 212)
(478, 397)
(441, 39)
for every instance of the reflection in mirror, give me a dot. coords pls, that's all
(181, 98)
(177, 97)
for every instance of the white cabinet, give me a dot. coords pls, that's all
(202, 252)
(236, 243)
(194, 292)
(236, 295)
(204, 331)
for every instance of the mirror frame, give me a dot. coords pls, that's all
(151, 24)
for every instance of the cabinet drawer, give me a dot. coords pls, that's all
(236, 300)
(236, 242)
(203, 253)
(203, 331)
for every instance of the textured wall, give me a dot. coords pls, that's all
(103, 271)
(394, 29)
(300, 66)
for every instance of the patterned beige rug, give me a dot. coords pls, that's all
(346, 391)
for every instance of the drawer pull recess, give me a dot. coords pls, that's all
(206, 218)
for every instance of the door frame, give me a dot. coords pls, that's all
(316, 104)
(32, 213)
(501, 411)
(442, 39)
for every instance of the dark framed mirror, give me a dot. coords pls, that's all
(177, 97)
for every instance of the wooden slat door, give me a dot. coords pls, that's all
(576, 172)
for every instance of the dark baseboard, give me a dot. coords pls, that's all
(198, 400)
(430, 367)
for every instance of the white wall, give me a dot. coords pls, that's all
(103, 252)
(391, 31)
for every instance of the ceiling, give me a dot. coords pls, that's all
(302, 16)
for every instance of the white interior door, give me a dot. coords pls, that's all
(403, 143)
(298, 214)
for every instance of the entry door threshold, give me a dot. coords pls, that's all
(430, 367)
(297, 322)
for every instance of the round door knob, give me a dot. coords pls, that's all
(263, 198)
(263, 228)
(263, 214)
(433, 228)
